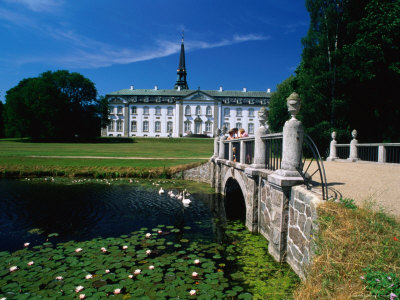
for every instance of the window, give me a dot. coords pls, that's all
(208, 126)
(119, 125)
(146, 110)
(198, 110)
(238, 125)
(251, 112)
(188, 126)
(226, 112)
(169, 127)
(158, 110)
(145, 125)
(187, 110)
(238, 112)
(227, 125)
(111, 126)
(119, 110)
(133, 126)
(251, 128)
(134, 110)
(157, 126)
(208, 111)
(170, 111)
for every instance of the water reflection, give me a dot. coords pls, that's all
(30, 211)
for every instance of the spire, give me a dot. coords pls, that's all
(181, 72)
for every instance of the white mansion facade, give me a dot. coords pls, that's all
(180, 111)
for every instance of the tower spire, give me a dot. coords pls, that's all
(181, 72)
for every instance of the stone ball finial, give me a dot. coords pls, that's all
(354, 134)
(333, 135)
(262, 115)
(293, 103)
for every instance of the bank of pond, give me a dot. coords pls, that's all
(125, 238)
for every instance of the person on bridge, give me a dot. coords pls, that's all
(242, 133)
(231, 135)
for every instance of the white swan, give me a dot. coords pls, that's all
(179, 197)
(185, 200)
(161, 191)
(172, 195)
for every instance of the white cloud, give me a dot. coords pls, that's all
(38, 5)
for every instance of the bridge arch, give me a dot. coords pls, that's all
(234, 190)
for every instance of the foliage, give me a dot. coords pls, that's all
(1, 120)
(350, 241)
(350, 70)
(53, 105)
(278, 112)
(348, 203)
(156, 263)
(382, 284)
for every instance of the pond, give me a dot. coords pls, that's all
(94, 239)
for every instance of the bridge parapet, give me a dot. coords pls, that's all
(267, 168)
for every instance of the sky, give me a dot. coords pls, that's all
(230, 43)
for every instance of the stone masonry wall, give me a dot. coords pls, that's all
(302, 228)
(200, 173)
(265, 209)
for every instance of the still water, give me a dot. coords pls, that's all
(29, 211)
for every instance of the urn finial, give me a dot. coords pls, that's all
(262, 116)
(293, 103)
(333, 135)
(354, 134)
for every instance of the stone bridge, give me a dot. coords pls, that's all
(268, 192)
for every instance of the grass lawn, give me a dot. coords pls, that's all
(16, 157)
(143, 147)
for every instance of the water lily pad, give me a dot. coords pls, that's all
(53, 235)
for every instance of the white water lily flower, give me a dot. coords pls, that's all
(104, 250)
(124, 247)
(117, 291)
(159, 232)
(82, 296)
(137, 271)
(13, 268)
(192, 292)
(148, 252)
(194, 274)
(26, 244)
(130, 276)
(79, 288)
(197, 261)
(89, 276)
(59, 278)
(107, 271)
(151, 267)
(77, 250)
(148, 235)
(31, 263)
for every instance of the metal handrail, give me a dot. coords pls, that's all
(307, 178)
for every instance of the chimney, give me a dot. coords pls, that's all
(132, 87)
(156, 87)
(268, 90)
(244, 90)
(220, 88)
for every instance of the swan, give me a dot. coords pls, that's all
(161, 191)
(179, 197)
(185, 200)
(172, 195)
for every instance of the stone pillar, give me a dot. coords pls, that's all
(260, 145)
(332, 149)
(353, 147)
(242, 158)
(230, 156)
(126, 120)
(216, 143)
(222, 147)
(381, 154)
(281, 181)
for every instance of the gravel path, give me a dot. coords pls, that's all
(364, 181)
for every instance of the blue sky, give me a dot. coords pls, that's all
(254, 44)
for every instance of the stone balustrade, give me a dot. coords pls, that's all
(355, 151)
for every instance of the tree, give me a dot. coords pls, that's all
(54, 105)
(350, 69)
(278, 111)
(1, 119)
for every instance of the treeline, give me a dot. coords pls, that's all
(349, 74)
(53, 106)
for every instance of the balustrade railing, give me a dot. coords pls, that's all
(374, 152)
(273, 157)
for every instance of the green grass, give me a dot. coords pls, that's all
(143, 147)
(16, 158)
